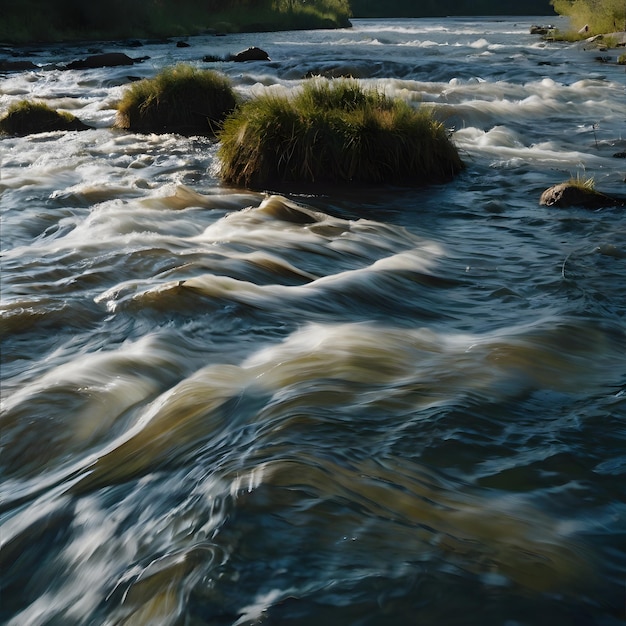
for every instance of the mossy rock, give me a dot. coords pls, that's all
(29, 117)
(578, 194)
(334, 131)
(621, 59)
(179, 99)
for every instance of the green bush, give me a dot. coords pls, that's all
(180, 99)
(336, 132)
(600, 16)
(27, 117)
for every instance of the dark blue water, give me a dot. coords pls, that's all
(359, 406)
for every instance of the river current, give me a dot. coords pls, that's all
(334, 406)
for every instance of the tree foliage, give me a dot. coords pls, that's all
(58, 20)
(436, 8)
(600, 16)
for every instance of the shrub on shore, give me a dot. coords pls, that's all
(180, 99)
(334, 132)
(27, 117)
(591, 17)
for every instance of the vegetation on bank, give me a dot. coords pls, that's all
(180, 99)
(442, 8)
(334, 132)
(27, 117)
(28, 21)
(592, 17)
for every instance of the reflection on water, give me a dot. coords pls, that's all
(362, 406)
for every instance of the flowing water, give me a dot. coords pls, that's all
(343, 406)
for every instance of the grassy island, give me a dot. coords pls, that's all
(27, 117)
(334, 132)
(180, 99)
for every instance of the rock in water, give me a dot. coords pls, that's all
(109, 59)
(250, 54)
(567, 195)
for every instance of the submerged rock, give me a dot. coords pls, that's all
(108, 59)
(16, 66)
(566, 195)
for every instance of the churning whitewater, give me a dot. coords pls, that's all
(346, 406)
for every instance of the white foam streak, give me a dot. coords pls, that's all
(418, 261)
(500, 144)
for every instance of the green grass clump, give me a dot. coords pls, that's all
(27, 117)
(584, 184)
(180, 99)
(334, 132)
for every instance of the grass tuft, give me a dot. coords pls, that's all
(585, 184)
(334, 132)
(27, 117)
(180, 99)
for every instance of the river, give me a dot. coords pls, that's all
(344, 406)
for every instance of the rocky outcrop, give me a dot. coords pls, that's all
(108, 59)
(541, 30)
(250, 54)
(16, 66)
(567, 195)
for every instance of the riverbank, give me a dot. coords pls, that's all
(20, 26)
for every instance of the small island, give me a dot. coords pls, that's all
(337, 132)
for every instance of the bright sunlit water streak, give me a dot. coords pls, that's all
(367, 406)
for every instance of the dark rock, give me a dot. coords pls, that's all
(619, 155)
(210, 58)
(540, 30)
(250, 54)
(567, 195)
(182, 44)
(109, 59)
(16, 66)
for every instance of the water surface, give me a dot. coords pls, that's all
(367, 406)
